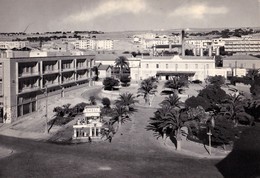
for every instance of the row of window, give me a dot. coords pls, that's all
(176, 66)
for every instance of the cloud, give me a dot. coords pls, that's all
(198, 11)
(109, 7)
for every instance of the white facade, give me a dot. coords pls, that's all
(13, 44)
(144, 68)
(90, 44)
(104, 45)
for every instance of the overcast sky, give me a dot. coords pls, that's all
(121, 15)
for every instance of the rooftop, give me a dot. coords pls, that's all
(241, 57)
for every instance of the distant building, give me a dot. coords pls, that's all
(240, 64)
(13, 44)
(104, 71)
(242, 45)
(25, 81)
(91, 44)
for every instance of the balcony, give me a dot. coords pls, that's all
(29, 89)
(68, 80)
(50, 72)
(68, 69)
(82, 78)
(28, 74)
(51, 84)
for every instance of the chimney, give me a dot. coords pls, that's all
(182, 43)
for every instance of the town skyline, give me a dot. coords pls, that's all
(117, 15)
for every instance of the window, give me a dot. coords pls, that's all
(253, 66)
(157, 66)
(196, 66)
(207, 66)
(241, 65)
(147, 66)
(176, 66)
(186, 66)
(166, 66)
(230, 65)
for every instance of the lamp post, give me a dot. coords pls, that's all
(46, 109)
(212, 124)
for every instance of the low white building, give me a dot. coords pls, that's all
(196, 68)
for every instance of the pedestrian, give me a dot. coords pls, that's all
(89, 139)
(110, 135)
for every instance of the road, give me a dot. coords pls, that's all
(135, 153)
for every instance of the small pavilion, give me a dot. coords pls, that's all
(89, 126)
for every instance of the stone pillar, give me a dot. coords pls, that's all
(194, 51)
(210, 51)
(201, 51)
(75, 133)
(217, 51)
(95, 131)
(90, 131)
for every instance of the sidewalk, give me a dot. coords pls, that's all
(33, 126)
(193, 149)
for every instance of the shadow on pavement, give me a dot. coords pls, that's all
(244, 160)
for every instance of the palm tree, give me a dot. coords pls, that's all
(172, 101)
(126, 100)
(176, 84)
(119, 115)
(233, 108)
(122, 62)
(148, 87)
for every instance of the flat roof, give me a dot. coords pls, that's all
(175, 73)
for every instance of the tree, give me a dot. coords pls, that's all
(125, 80)
(167, 121)
(223, 132)
(126, 100)
(194, 102)
(172, 101)
(121, 62)
(109, 83)
(213, 95)
(176, 84)
(216, 80)
(148, 87)
(119, 115)
(233, 108)
(92, 100)
(106, 102)
(96, 73)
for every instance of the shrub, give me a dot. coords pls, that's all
(106, 102)
(216, 80)
(109, 83)
(125, 80)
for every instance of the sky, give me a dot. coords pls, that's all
(126, 15)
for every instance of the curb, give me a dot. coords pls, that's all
(193, 154)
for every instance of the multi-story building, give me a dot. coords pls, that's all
(90, 44)
(242, 45)
(84, 44)
(104, 45)
(25, 81)
(13, 44)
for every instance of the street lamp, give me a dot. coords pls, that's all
(211, 125)
(46, 108)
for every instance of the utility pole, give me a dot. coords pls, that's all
(46, 109)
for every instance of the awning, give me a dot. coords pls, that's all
(175, 73)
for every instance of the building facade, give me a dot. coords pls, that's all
(198, 68)
(13, 44)
(27, 81)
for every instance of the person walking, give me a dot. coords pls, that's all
(89, 139)
(110, 135)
